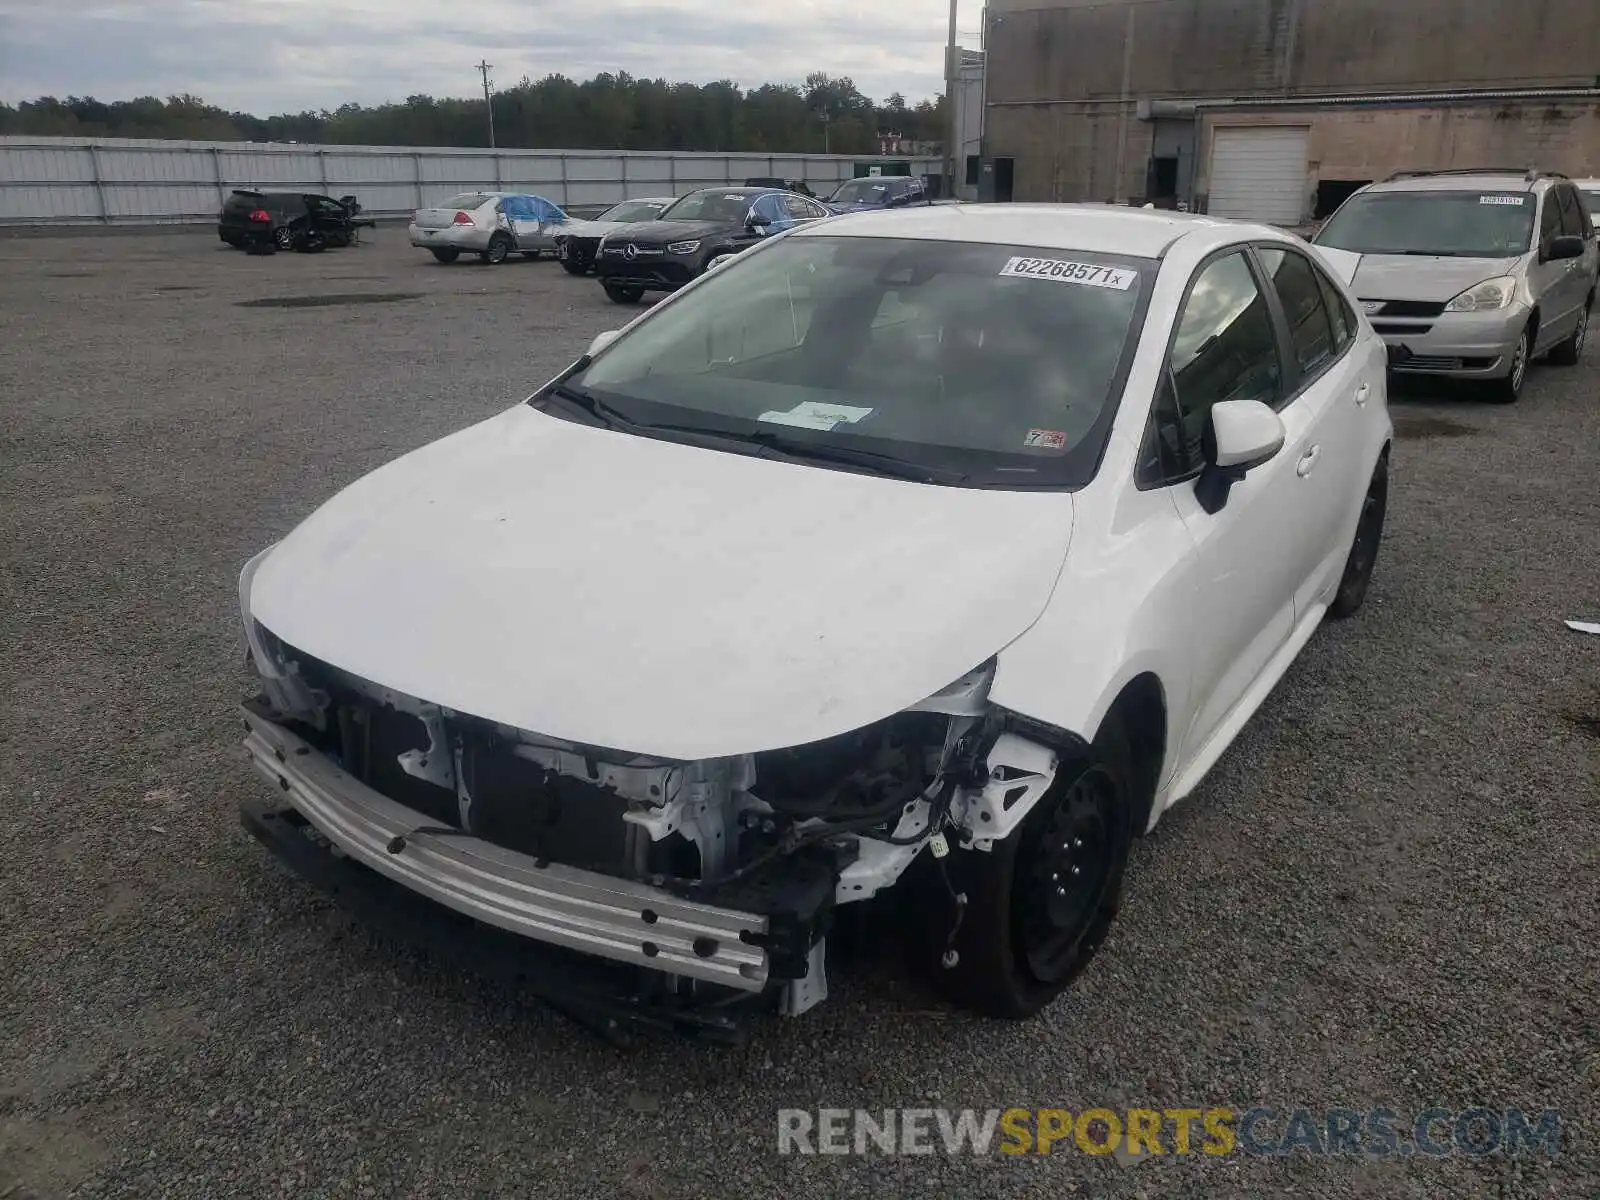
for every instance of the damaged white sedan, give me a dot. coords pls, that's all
(939, 550)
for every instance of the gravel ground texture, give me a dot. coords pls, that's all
(1385, 895)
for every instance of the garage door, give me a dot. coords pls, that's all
(1259, 174)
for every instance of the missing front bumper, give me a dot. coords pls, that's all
(613, 919)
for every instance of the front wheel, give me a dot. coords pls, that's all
(1509, 389)
(447, 254)
(1570, 352)
(499, 248)
(624, 293)
(1364, 550)
(1040, 902)
(574, 268)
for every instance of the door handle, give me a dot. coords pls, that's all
(1363, 394)
(1307, 461)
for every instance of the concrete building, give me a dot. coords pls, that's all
(968, 122)
(1276, 109)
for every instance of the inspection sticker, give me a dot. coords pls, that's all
(814, 415)
(1510, 201)
(1063, 271)
(1045, 439)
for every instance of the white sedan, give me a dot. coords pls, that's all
(492, 225)
(939, 550)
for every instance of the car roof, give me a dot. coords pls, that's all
(1115, 229)
(646, 200)
(1499, 181)
(741, 190)
(1587, 185)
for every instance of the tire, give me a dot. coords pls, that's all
(623, 293)
(1509, 389)
(499, 249)
(283, 238)
(1040, 902)
(1570, 352)
(447, 254)
(574, 268)
(1363, 555)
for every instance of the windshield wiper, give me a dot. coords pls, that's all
(759, 443)
(871, 460)
(592, 406)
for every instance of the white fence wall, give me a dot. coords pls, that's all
(122, 181)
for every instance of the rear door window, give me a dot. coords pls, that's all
(1310, 328)
(1574, 221)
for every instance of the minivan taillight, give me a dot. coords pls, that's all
(261, 215)
(463, 219)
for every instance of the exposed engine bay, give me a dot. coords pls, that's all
(786, 835)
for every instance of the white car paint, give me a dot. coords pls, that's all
(598, 596)
(556, 578)
(573, 579)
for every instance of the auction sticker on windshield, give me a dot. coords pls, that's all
(1062, 271)
(814, 415)
(1511, 201)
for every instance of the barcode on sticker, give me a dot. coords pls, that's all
(1512, 201)
(1063, 271)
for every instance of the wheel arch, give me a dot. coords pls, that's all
(1140, 709)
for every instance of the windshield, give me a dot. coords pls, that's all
(861, 191)
(1592, 199)
(999, 365)
(633, 210)
(1477, 224)
(712, 205)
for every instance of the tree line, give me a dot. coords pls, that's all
(608, 112)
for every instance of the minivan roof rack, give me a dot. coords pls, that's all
(1529, 174)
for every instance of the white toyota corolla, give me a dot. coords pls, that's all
(944, 548)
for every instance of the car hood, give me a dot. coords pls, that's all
(658, 233)
(589, 229)
(648, 596)
(1413, 277)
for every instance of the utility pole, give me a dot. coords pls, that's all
(825, 118)
(483, 69)
(951, 120)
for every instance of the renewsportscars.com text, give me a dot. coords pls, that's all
(1215, 1132)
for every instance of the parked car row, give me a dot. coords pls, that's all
(651, 243)
(1472, 274)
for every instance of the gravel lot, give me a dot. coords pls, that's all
(1385, 895)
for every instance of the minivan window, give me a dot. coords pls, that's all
(1482, 223)
(1003, 364)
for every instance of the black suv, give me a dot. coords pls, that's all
(269, 221)
(697, 233)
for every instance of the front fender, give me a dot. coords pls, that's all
(1119, 611)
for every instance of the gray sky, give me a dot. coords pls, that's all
(270, 56)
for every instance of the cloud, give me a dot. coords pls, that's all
(272, 56)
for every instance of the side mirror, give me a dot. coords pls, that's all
(1566, 246)
(756, 221)
(603, 340)
(1240, 436)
